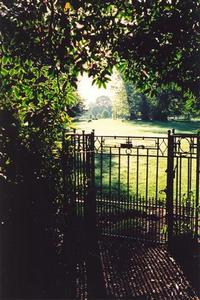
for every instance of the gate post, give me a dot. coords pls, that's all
(90, 201)
(170, 179)
(197, 186)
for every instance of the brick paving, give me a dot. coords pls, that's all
(131, 271)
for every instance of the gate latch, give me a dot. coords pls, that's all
(126, 145)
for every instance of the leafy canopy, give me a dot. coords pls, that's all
(153, 42)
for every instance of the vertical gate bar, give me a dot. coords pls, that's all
(178, 223)
(158, 224)
(128, 175)
(78, 179)
(189, 203)
(142, 212)
(148, 201)
(72, 175)
(188, 177)
(160, 208)
(147, 208)
(110, 171)
(150, 210)
(101, 168)
(114, 212)
(80, 174)
(90, 207)
(83, 171)
(133, 206)
(92, 179)
(157, 167)
(137, 173)
(87, 181)
(129, 221)
(105, 210)
(74, 172)
(176, 197)
(136, 221)
(170, 179)
(197, 186)
(64, 167)
(190, 172)
(109, 212)
(147, 174)
(80, 168)
(119, 169)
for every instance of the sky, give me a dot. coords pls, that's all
(90, 92)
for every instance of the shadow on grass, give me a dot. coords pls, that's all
(107, 166)
(181, 126)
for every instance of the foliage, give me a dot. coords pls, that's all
(34, 111)
(168, 101)
(162, 45)
(120, 106)
(101, 108)
(133, 99)
(69, 40)
(105, 114)
(153, 42)
(38, 103)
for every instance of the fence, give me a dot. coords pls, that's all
(135, 187)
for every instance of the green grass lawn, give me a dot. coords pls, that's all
(132, 128)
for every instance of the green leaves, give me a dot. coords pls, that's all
(150, 41)
(39, 97)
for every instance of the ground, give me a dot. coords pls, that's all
(121, 269)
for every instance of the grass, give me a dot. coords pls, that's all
(138, 128)
(137, 183)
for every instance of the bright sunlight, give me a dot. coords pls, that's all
(90, 92)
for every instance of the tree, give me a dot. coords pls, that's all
(102, 104)
(105, 114)
(169, 102)
(161, 45)
(134, 100)
(120, 107)
(70, 37)
(154, 42)
(144, 108)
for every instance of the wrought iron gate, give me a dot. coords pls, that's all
(183, 185)
(144, 188)
(79, 177)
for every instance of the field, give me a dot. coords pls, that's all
(138, 128)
